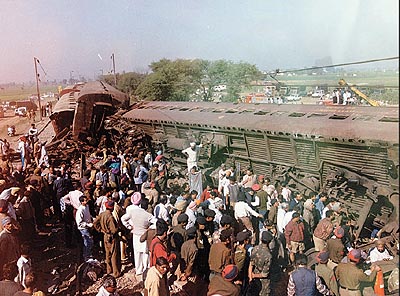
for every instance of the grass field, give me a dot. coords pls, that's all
(23, 92)
(379, 85)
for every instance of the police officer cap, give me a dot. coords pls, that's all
(183, 218)
(323, 256)
(266, 236)
(209, 213)
(201, 220)
(226, 219)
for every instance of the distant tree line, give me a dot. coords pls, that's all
(185, 80)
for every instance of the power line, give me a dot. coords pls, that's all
(45, 74)
(335, 65)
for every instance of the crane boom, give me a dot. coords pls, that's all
(370, 101)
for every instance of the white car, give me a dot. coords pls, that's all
(293, 97)
(21, 111)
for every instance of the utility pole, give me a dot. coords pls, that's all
(115, 74)
(70, 77)
(35, 61)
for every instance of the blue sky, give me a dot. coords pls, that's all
(69, 36)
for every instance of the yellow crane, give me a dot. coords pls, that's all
(370, 101)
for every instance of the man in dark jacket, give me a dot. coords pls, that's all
(304, 281)
(60, 188)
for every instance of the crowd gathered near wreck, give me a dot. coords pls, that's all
(125, 202)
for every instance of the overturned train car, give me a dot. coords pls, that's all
(83, 107)
(350, 152)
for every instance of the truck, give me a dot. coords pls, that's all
(30, 105)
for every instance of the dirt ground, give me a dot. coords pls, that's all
(55, 264)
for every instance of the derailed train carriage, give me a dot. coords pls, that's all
(349, 151)
(83, 108)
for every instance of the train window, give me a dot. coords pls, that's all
(183, 109)
(218, 110)
(297, 114)
(363, 117)
(261, 113)
(231, 111)
(278, 113)
(247, 111)
(389, 119)
(206, 110)
(340, 117)
(316, 115)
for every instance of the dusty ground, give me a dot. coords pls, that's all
(55, 263)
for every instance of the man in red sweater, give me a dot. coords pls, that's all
(158, 246)
(294, 234)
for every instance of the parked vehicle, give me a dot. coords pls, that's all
(293, 97)
(28, 104)
(21, 111)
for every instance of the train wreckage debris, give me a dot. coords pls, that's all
(351, 152)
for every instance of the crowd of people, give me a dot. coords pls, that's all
(238, 237)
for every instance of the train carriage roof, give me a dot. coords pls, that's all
(67, 102)
(101, 88)
(342, 122)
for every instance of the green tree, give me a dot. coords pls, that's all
(183, 80)
(129, 82)
(238, 76)
(169, 81)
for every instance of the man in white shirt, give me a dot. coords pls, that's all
(160, 211)
(148, 159)
(191, 211)
(286, 193)
(138, 220)
(33, 133)
(109, 287)
(221, 175)
(24, 263)
(380, 252)
(84, 221)
(282, 210)
(72, 198)
(192, 154)
(243, 212)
